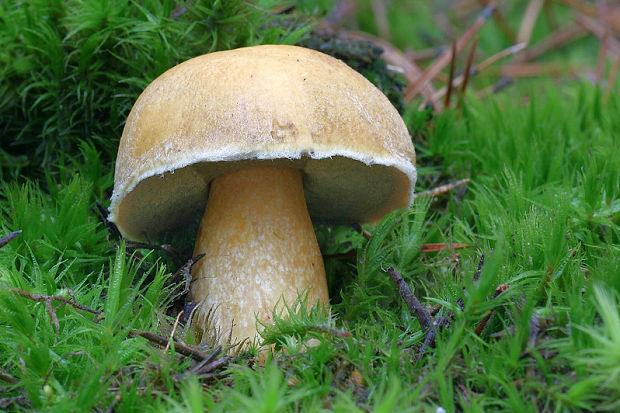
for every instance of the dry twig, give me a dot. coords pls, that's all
(163, 341)
(50, 298)
(480, 67)
(450, 76)
(415, 88)
(8, 238)
(442, 189)
(613, 18)
(468, 65)
(414, 305)
(184, 273)
(558, 38)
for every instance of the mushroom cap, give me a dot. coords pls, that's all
(274, 105)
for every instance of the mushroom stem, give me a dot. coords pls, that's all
(260, 249)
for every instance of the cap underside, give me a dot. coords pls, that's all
(337, 189)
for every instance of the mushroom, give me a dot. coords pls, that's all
(266, 137)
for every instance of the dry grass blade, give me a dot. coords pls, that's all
(174, 329)
(379, 10)
(425, 54)
(558, 38)
(612, 18)
(604, 44)
(529, 20)
(414, 89)
(538, 69)
(592, 25)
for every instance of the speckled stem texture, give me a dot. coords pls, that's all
(260, 249)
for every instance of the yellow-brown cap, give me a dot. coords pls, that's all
(265, 105)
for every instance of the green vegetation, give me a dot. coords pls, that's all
(542, 207)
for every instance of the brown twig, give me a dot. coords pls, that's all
(468, 65)
(201, 367)
(51, 311)
(415, 88)
(154, 338)
(434, 247)
(442, 189)
(537, 69)
(184, 273)
(600, 32)
(414, 305)
(558, 38)
(613, 18)
(205, 367)
(50, 298)
(482, 66)
(450, 76)
(163, 341)
(8, 238)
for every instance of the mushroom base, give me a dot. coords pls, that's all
(260, 251)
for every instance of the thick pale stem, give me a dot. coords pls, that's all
(260, 249)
